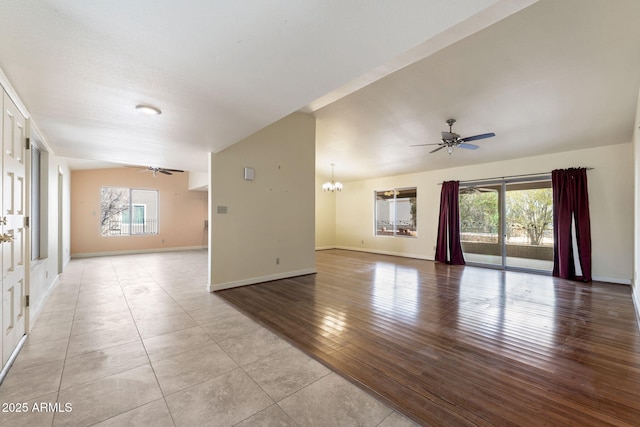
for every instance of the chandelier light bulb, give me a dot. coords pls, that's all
(332, 186)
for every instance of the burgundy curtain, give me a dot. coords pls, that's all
(448, 247)
(571, 206)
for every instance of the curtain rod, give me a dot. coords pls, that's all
(511, 176)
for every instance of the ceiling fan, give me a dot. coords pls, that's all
(156, 170)
(450, 140)
(163, 170)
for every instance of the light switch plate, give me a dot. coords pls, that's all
(249, 174)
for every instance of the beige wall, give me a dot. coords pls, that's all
(269, 218)
(182, 212)
(610, 195)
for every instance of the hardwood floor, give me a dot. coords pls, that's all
(450, 345)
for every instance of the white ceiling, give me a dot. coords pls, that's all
(379, 76)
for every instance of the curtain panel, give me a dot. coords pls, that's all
(448, 246)
(571, 224)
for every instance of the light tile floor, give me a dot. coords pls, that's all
(137, 340)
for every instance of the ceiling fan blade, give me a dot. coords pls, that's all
(468, 146)
(164, 171)
(171, 170)
(422, 145)
(477, 137)
(439, 148)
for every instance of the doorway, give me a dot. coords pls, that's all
(508, 223)
(13, 245)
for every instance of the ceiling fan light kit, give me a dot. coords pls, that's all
(451, 140)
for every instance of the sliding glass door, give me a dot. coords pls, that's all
(480, 225)
(529, 215)
(508, 223)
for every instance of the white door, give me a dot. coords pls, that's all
(13, 224)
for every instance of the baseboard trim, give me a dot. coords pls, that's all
(380, 252)
(12, 358)
(260, 279)
(406, 255)
(612, 280)
(135, 251)
(33, 315)
(635, 298)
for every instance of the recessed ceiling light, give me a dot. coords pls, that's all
(148, 109)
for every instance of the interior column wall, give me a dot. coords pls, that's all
(263, 228)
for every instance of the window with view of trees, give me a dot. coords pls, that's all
(395, 212)
(127, 211)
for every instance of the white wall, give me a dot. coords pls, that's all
(44, 272)
(198, 181)
(268, 230)
(610, 197)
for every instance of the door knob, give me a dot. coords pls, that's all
(6, 237)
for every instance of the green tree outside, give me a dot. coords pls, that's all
(529, 212)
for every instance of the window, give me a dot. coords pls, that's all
(395, 212)
(117, 206)
(35, 202)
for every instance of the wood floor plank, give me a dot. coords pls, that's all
(451, 345)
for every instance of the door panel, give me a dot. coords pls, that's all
(529, 216)
(13, 207)
(508, 223)
(480, 225)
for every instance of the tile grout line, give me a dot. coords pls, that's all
(238, 366)
(66, 354)
(164, 398)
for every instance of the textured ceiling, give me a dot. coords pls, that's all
(557, 76)
(379, 76)
(219, 71)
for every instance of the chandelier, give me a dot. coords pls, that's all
(332, 186)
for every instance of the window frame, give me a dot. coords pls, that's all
(502, 186)
(38, 198)
(130, 221)
(412, 230)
